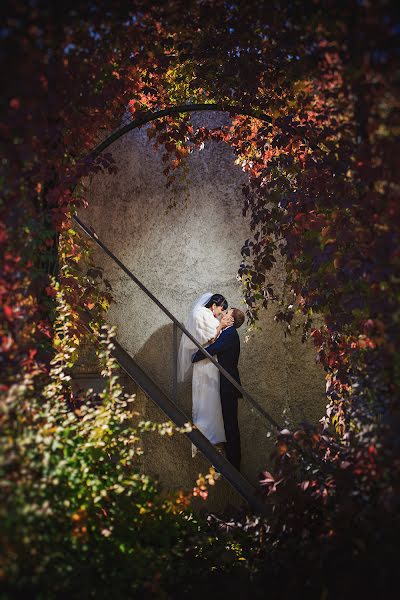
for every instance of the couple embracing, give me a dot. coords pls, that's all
(214, 398)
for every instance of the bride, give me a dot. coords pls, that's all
(204, 325)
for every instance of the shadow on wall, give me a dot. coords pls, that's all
(155, 358)
(169, 459)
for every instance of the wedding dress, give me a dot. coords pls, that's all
(206, 398)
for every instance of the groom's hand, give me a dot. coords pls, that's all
(226, 320)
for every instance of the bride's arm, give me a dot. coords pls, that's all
(205, 330)
(205, 326)
(224, 322)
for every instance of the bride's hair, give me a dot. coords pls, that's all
(217, 299)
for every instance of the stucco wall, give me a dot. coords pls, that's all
(179, 253)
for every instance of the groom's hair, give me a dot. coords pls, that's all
(217, 299)
(238, 317)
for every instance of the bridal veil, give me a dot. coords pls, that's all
(186, 346)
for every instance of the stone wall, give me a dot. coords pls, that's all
(179, 253)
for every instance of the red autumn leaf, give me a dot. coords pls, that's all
(282, 448)
(15, 103)
(8, 311)
(299, 217)
(50, 291)
(6, 342)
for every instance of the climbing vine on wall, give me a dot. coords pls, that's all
(311, 91)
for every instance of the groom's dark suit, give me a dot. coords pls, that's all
(227, 349)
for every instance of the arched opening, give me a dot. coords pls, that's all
(179, 252)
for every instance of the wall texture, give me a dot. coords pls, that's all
(179, 253)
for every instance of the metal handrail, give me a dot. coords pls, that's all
(236, 479)
(93, 235)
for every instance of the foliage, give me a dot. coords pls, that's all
(74, 498)
(311, 89)
(333, 521)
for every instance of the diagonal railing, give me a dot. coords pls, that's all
(177, 325)
(238, 482)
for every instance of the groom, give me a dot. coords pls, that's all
(227, 349)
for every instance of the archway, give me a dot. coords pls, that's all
(178, 254)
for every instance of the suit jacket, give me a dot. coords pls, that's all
(227, 349)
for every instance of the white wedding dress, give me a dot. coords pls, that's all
(206, 398)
